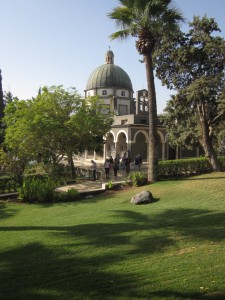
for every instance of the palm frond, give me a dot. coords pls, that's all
(120, 35)
(151, 17)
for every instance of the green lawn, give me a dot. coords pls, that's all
(107, 248)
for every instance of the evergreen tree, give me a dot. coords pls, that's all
(194, 65)
(2, 107)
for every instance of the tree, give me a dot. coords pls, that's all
(194, 64)
(8, 97)
(148, 21)
(54, 125)
(2, 107)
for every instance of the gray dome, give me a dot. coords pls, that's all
(109, 75)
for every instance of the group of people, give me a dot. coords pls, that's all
(111, 164)
(115, 164)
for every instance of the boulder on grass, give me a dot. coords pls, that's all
(144, 197)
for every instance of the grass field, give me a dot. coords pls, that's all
(107, 248)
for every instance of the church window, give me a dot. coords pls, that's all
(123, 93)
(123, 110)
(104, 93)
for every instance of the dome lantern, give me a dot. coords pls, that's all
(109, 57)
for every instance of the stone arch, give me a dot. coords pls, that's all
(121, 142)
(119, 132)
(108, 133)
(110, 144)
(144, 133)
(140, 145)
(162, 138)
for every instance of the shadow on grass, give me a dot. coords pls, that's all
(38, 273)
(191, 177)
(206, 178)
(35, 271)
(6, 212)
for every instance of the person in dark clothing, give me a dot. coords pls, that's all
(94, 169)
(111, 163)
(127, 165)
(138, 162)
(116, 164)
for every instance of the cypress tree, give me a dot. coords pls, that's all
(2, 106)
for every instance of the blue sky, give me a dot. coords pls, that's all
(60, 42)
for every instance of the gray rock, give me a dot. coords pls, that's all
(142, 198)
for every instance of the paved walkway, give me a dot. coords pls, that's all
(85, 186)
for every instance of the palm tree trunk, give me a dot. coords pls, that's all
(152, 110)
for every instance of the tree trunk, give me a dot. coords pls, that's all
(210, 153)
(152, 111)
(71, 163)
(207, 143)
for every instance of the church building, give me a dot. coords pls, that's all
(129, 131)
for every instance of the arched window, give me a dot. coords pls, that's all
(104, 93)
(123, 93)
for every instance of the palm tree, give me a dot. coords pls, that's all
(148, 21)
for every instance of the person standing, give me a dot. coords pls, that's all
(107, 167)
(127, 165)
(138, 162)
(94, 169)
(116, 164)
(123, 161)
(111, 163)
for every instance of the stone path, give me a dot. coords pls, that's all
(88, 185)
(99, 185)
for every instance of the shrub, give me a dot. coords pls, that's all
(181, 167)
(70, 195)
(222, 162)
(37, 190)
(8, 184)
(110, 185)
(138, 178)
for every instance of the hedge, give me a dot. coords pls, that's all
(187, 167)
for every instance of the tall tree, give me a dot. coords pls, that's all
(194, 64)
(8, 97)
(2, 107)
(148, 21)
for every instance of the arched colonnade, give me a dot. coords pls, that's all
(133, 141)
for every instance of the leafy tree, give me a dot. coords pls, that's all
(148, 21)
(194, 64)
(54, 125)
(12, 165)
